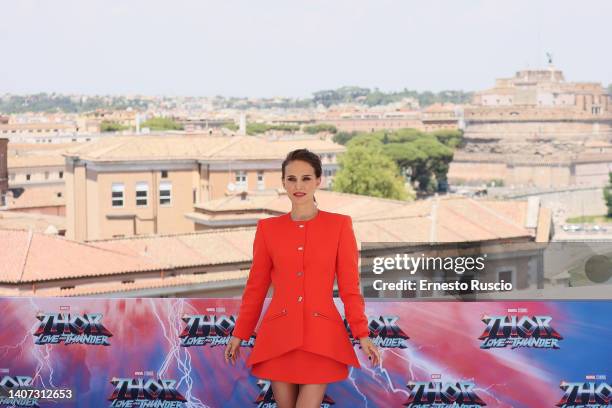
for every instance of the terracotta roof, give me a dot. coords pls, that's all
(96, 288)
(39, 147)
(457, 218)
(31, 221)
(173, 147)
(185, 250)
(35, 257)
(441, 107)
(32, 160)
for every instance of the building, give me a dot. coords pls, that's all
(216, 262)
(442, 116)
(372, 122)
(536, 129)
(48, 224)
(43, 132)
(3, 170)
(36, 178)
(124, 186)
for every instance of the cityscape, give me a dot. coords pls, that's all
(162, 195)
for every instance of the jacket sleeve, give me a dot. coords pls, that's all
(347, 268)
(256, 287)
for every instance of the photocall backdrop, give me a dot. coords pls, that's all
(169, 353)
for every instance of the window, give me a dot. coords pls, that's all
(28, 177)
(142, 193)
(61, 174)
(59, 195)
(117, 194)
(165, 193)
(260, 180)
(46, 175)
(164, 174)
(505, 275)
(241, 179)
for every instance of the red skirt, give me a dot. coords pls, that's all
(301, 367)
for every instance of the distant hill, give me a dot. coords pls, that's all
(44, 102)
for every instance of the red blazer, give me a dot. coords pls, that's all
(301, 259)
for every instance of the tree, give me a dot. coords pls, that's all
(321, 127)
(607, 191)
(343, 137)
(256, 128)
(366, 170)
(108, 126)
(162, 124)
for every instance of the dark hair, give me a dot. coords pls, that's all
(304, 155)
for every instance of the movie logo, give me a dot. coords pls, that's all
(385, 332)
(265, 399)
(586, 394)
(145, 393)
(71, 328)
(519, 332)
(14, 383)
(436, 394)
(210, 329)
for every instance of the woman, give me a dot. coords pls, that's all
(302, 343)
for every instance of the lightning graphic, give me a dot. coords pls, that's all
(171, 329)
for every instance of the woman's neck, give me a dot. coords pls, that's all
(304, 212)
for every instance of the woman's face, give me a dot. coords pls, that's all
(300, 182)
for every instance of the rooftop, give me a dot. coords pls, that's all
(194, 147)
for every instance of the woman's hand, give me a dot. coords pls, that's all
(371, 350)
(232, 351)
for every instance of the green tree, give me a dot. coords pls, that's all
(231, 126)
(256, 128)
(162, 124)
(452, 138)
(366, 170)
(343, 137)
(108, 126)
(607, 191)
(320, 127)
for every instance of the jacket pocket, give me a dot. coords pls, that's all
(276, 315)
(325, 316)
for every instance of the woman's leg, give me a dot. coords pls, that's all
(311, 395)
(285, 394)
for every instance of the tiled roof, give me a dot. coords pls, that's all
(97, 288)
(457, 218)
(185, 250)
(31, 221)
(34, 257)
(31, 160)
(197, 147)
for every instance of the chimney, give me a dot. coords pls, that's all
(3, 170)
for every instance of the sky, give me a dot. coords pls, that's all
(292, 48)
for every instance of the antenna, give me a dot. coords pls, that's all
(549, 57)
